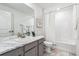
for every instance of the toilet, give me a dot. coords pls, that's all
(49, 46)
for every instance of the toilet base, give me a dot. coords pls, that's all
(49, 50)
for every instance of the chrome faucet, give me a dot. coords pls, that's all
(12, 32)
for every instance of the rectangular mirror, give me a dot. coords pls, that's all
(16, 18)
(5, 23)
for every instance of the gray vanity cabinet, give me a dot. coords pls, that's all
(30, 49)
(15, 52)
(35, 48)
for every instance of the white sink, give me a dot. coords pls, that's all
(24, 40)
(21, 40)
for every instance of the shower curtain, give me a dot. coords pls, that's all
(64, 25)
(59, 25)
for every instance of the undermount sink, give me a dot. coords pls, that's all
(21, 40)
(24, 40)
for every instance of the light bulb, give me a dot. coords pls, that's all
(58, 8)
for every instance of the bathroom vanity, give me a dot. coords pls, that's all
(24, 23)
(34, 47)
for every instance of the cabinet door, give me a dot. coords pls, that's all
(16, 52)
(41, 49)
(29, 46)
(32, 52)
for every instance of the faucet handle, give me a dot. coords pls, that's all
(11, 31)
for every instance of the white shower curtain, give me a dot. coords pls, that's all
(50, 27)
(64, 25)
(59, 26)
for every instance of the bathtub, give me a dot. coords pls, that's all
(66, 46)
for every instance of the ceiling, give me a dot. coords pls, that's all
(27, 10)
(19, 7)
(52, 5)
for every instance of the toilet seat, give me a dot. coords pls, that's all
(49, 44)
(46, 42)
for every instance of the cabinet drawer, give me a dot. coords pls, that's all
(41, 40)
(16, 52)
(32, 52)
(31, 45)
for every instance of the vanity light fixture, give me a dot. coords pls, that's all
(58, 9)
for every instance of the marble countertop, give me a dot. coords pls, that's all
(10, 43)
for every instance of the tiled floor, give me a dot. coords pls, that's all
(59, 53)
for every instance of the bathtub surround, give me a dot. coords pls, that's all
(58, 52)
